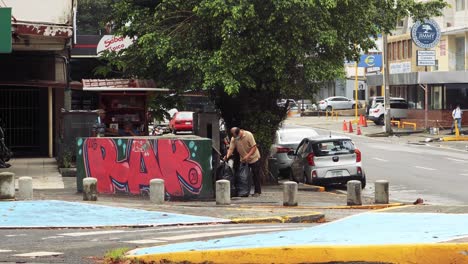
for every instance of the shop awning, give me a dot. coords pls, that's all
(123, 85)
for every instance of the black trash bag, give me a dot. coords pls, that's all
(224, 172)
(243, 182)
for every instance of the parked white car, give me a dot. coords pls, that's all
(398, 110)
(336, 102)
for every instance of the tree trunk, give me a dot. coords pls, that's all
(255, 111)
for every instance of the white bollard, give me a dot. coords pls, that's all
(25, 188)
(223, 192)
(354, 193)
(290, 193)
(381, 192)
(7, 185)
(89, 189)
(157, 191)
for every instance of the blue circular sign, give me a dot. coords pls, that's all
(426, 34)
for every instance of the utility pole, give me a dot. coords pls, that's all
(388, 128)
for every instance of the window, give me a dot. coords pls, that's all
(410, 48)
(415, 97)
(460, 54)
(460, 5)
(405, 49)
(437, 97)
(395, 50)
(332, 148)
(390, 53)
(400, 23)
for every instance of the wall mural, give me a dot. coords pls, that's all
(128, 164)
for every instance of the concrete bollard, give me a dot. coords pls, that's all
(354, 193)
(25, 188)
(223, 192)
(157, 191)
(290, 193)
(89, 189)
(7, 185)
(381, 192)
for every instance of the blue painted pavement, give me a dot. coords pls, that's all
(363, 229)
(26, 214)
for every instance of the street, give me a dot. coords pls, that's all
(77, 246)
(437, 175)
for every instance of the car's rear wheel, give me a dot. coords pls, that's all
(381, 120)
(363, 182)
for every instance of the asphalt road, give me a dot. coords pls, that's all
(80, 246)
(439, 176)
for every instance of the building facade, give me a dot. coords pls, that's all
(442, 86)
(35, 75)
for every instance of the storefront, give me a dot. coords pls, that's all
(444, 91)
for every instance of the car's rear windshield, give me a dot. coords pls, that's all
(296, 135)
(184, 115)
(333, 147)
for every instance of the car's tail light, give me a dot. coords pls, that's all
(283, 150)
(314, 174)
(376, 110)
(310, 159)
(358, 155)
(359, 171)
(322, 102)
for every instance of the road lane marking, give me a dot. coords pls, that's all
(210, 234)
(78, 234)
(5, 250)
(51, 237)
(145, 241)
(457, 160)
(425, 168)
(38, 254)
(384, 160)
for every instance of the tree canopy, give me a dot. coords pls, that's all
(250, 53)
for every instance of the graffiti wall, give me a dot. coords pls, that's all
(126, 165)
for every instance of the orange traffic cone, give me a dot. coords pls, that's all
(350, 127)
(345, 127)
(359, 130)
(364, 121)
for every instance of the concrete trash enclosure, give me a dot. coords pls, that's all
(127, 164)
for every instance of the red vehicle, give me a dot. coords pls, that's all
(181, 121)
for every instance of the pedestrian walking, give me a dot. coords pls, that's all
(457, 117)
(244, 142)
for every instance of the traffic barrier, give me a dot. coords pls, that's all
(223, 192)
(89, 189)
(290, 193)
(398, 123)
(359, 130)
(157, 191)
(350, 127)
(345, 127)
(354, 193)
(7, 185)
(381, 192)
(332, 113)
(25, 188)
(409, 124)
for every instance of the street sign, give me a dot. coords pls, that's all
(5, 30)
(426, 34)
(426, 58)
(372, 60)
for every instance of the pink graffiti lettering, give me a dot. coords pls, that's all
(145, 160)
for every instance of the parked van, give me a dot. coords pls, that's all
(398, 110)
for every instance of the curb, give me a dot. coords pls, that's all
(308, 218)
(368, 206)
(398, 253)
(310, 188)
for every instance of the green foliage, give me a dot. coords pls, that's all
(250, 53)
(92, 16)
(115, 255)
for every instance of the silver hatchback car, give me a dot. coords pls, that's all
(327, 160)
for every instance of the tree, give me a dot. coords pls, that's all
(248, 54)
(91, 16)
